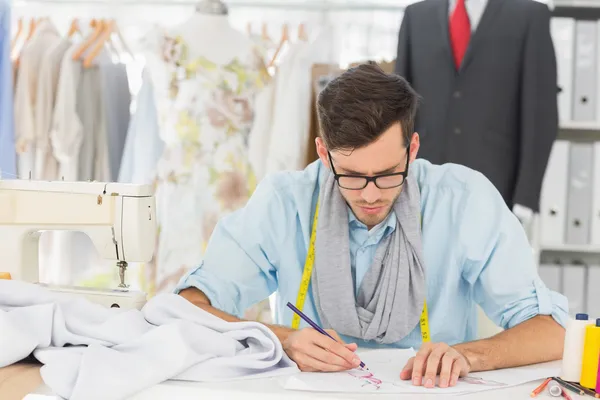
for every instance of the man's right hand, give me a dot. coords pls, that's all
(312, 351)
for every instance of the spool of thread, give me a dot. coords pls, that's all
(5, 275)
(591, 351)
(598, 376)
(554, 389)
(573, 348)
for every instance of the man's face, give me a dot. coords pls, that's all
(388, 154)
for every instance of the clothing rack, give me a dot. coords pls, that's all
(288, 5)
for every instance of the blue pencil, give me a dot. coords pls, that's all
(315, 326)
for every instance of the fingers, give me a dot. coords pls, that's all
(337, 349)
(434, 359)
(350, 346)
(313, 351)
(433, 364)
(457, 371)
(335, 335)
(446, 369)
(420, 363)
(406, 372)
(306, 363)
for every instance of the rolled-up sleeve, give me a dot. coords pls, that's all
(499, 262)
(239, 268)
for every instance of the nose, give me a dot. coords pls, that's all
(371, 193)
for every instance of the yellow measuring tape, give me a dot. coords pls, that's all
(307, 273)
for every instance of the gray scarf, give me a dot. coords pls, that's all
(392, 293)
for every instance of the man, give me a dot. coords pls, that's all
(391, 232)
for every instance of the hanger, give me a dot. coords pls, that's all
(99, 27)
(302, 35)
(109, 29)
(265, 32)
(103, 38)
(33, 23)
(285, 37)
(19, 30)
(32, 26)
(74, 28)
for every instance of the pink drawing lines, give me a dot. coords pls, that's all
(367, 378)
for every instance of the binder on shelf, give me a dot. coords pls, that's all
(551, 275)
(595, 217)
(553, 200)
(563, 37)
(573, 283)
(579, 193)
(584, 88)
(593, 295)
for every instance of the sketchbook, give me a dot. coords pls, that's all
(383, 377)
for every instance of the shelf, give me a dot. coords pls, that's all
(569, 255)
(572, 248)
(578, 9)
(577, 130)
(580, 126)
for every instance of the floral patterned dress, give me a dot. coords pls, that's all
(204, 173)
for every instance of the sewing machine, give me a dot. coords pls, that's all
(119, 219)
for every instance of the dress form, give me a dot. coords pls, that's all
(211, 36)
(206, 85)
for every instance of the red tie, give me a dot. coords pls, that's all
(460, 32)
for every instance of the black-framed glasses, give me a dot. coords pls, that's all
(383, 181)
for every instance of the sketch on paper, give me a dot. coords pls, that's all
(474, 380)
(367, 378)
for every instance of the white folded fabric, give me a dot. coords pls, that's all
(93, 352)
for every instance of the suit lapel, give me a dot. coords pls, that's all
(443, 17)
(490, 13)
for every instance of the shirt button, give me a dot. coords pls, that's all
(457, 94)
(457, 131)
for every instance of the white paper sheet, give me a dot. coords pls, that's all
(384, 377)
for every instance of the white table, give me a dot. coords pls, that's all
(272, 389)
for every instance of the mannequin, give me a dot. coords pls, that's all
(486, 70)
(206, 84)
(211, 22)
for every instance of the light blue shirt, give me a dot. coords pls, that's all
(475, 252)
(8, 156)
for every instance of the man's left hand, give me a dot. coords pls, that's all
(433, 359)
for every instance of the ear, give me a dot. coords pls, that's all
(414, 146)
(322, 152)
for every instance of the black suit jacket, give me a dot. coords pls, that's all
(498, 114)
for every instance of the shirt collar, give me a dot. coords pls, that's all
(387, 225)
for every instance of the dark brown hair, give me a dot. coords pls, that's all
(355, 108)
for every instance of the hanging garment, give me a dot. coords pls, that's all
(30, 58)
(8, 162)
(117, 102)
(93, 154)
(204, 172)
(498, 113)
(143, 145)
(66, 133)
(46, 165)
